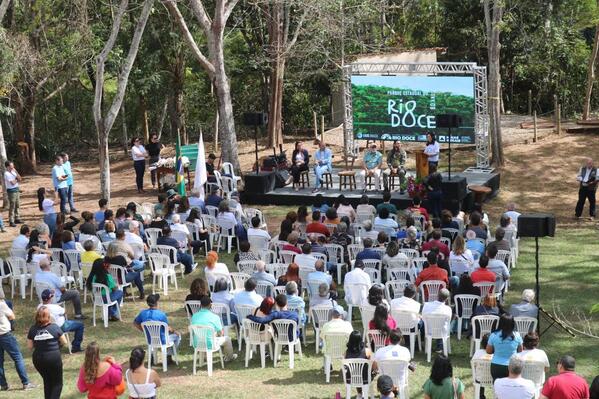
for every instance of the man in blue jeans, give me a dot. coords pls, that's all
(57, 313)
(66, 164)
(9, 344)
(60, 181)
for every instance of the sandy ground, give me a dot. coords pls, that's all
(538, 177)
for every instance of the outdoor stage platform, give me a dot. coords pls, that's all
(259, 190)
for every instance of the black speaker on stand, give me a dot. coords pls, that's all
(449, 121)
(540, 225)
(255, 119)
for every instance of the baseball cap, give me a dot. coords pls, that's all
(47, 294)
(152, 299)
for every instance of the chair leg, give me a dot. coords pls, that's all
(195, 358)
(247, 353)
(105, 315)
(412, 343)
(292, 355)
(317, 333)
(164, 362)
(276, 356)
(263, 355)
(222, 359)
(327, 368)
(459, 328)
(209, 361)
(347, 390)
(428, 344)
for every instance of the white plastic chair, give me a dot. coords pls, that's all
(72, 258)
(320, 315)
(254, 338)
(60, 269)
(399, 273)
(247, 266)
(355, 368)
(481, 376)
(277, 269)
(223, 311)
(118, 274)
(152, 235)
(376, 339)
(226, 232)
(367, 314)
(394, 289)
(264, 289)
(407, 322)
(163, 271)
(57, 255)
(206, 342)
(7, 275)
(429, 290)
(258, 243)
(104, 302)
(464, 306)
(282, 328)
(18, 253)
(191, 308)
(286, 256)
(242, 312)
(481, 325)
(524, 325)
(336, 255)
(238, 280)
(19, 272)
(535, 372)
(86, 268)
(41, 287)
(436, 327)
(375, 275)
(398, 371)
(485, 288)
(171, 253)
(152, 332)
(251, 212)
(357, 293)
(335, 345)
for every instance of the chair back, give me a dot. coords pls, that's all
(284, 331)
(99, 298)
(194, 230)
(335, 252)
(267, 256)
(243, 311)
(264, 289)
(453, 232)
(277, 269)
(222, 310)
(57, 254)
(118, 274)
(485, 288)
(399, 263)
(407, 322)
(429, 290)
(59, 268)
(252, 331)
(465, 305)
(191, 308)
(304, 271)
(313, 286)
(227, 168)
(335, 344)
(154, 333)
(367, 314)
(484, 324)
(459, 265)
(202, 338)
(396, 369)
(251, 212)
(320, 256)
(534, 371)
(247, 266)
(399, 273)
(481, 372)
(72, 258)
(372, 263)
(504, 256)
(40, 287)
(394, 289)
(358, 292)
(212, 210)
(361, 217)
(286, 256)
(355, 370)
(410, 253)
(524, 325)
(320, 315)
(138, 250)
(376, 339)
(258, 243)
(353, 250)
(152, 235)
(375, 275)
(169, 251)
(418, 263)
(17, 265)
(436, 325)
(18, 253)
(180, 236)
(158, 261)
(239, 280)
(226, 227)
(446, 241)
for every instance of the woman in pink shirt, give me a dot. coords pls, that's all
(99, 378)
(382, 321)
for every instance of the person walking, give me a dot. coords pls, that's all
(154, 156)
(46, 338)
(587, 177)
(60, 181)
(66, 164)
(9, 344)
(139, 155)
(12, 178)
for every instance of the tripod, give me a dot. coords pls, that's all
(552, 320)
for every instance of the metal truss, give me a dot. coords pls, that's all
(481, 123)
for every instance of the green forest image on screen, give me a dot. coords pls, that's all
(404, 107)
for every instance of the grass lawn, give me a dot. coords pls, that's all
(568, 283)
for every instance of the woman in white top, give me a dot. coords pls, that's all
(530, 352)
(45, 204)
(214, 269)
(141, 382)
(460, 258)
(139, 155)
(344, 208)
(432, 149)
(392, 253)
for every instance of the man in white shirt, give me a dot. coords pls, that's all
(248, 296)
(336, 325)
(514, 386)
(357, 275)
(21, 241)
(132, 237)
(305, 259)
(58, 318)
(9, 344)
(394, 351)
(512, 213)
(11, 183)
(406, 302)
(439, 307)
(178, 226)
(255, 230)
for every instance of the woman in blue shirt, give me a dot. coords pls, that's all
(503, 343)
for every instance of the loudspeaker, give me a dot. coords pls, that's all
(449, 120)
(255, 119)
(281, 177)
(536, 225)
(454, 188)
(259, 183)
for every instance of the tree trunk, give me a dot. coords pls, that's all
(275, 98)
(104, 157)
(3, 8)
(124, 127)
(25, 130)
(177, 85)
(162, 119)
(145, 127)
(2, 168)
(591, 77)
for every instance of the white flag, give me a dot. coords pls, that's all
(201, 176)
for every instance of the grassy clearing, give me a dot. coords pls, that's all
(568, 281)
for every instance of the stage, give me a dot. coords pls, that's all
(262, 192)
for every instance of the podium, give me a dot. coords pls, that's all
(421, 164)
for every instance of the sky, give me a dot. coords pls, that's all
(460, 85)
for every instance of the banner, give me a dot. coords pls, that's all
(179, 169)
(405, 107)
(200, 175)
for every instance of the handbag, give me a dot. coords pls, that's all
(120, 389)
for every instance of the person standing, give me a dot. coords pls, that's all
(60, 181)
(9, 344)
(139, 155)
(587, 176)
(299, 163)
(371, 166)
(396, 162)
(12, 178)
(46, 338)
(324, 159)
(154, 155)
(432, 149)
(434, 182)
(66, 164)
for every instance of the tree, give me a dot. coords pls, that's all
(591, 76)
(104, 123)
(493, 10)
(3, 7)
(214, 65)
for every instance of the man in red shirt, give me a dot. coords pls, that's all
(433, 271)
(436, 243)
(567, 384)
(417, 208)
(482, 275)
(316, 226)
